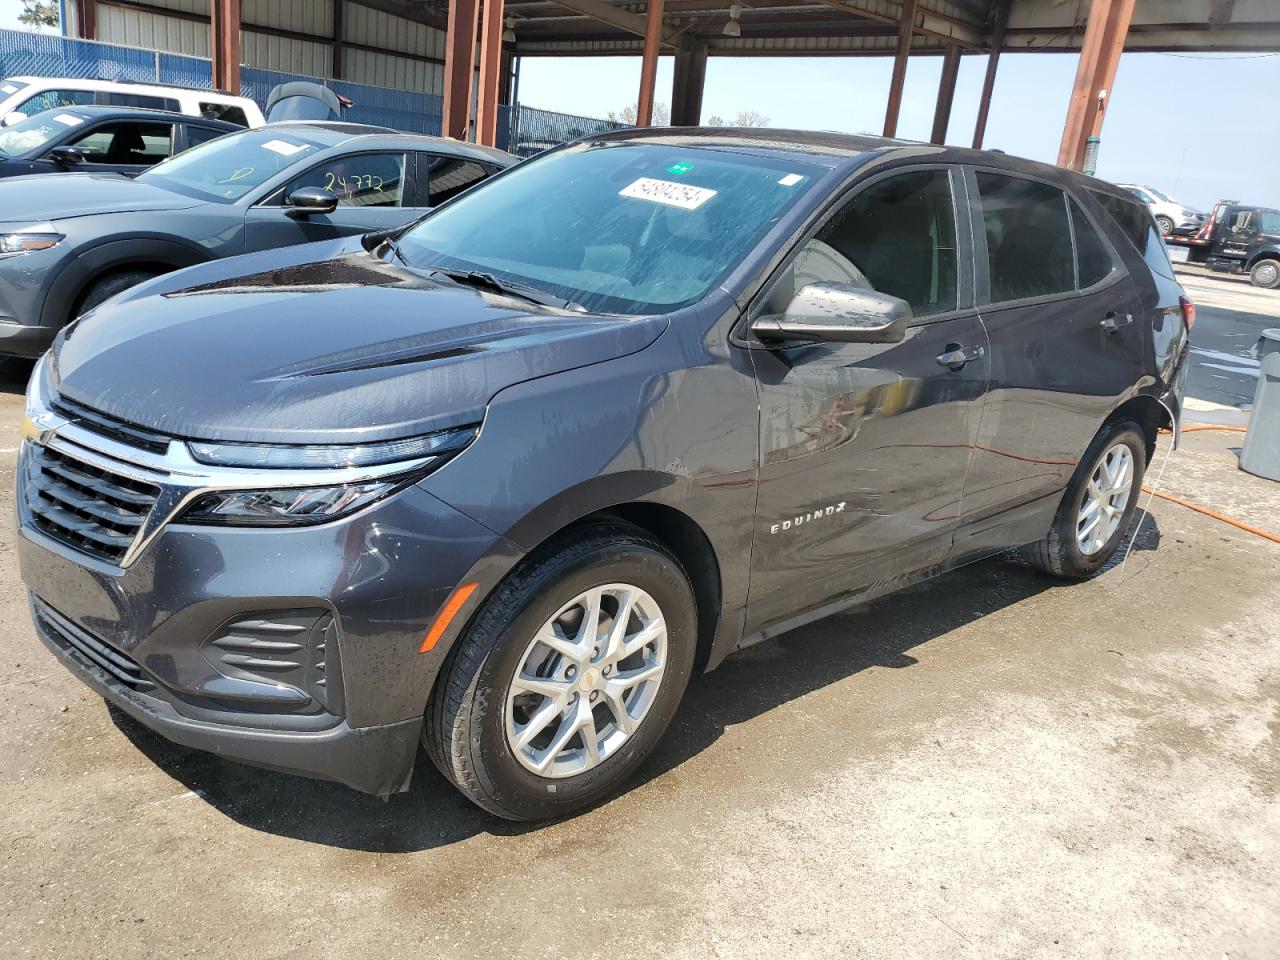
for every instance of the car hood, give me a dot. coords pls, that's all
(42, 198)
(331, 351)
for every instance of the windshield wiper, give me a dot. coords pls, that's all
(487, 281)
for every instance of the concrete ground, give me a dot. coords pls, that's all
(990, 765)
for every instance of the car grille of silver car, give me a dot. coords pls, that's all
(84, 506)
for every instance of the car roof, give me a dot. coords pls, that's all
(333, 133)
(92, 111)
(841, 150)
(97, 83)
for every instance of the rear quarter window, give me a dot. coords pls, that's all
(1028, 238)
(1135, 222)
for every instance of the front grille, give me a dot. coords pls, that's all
(109, 426)
(83, 506)
(68, 636)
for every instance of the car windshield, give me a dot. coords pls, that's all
(615, 227)
(30, 135)
(1162, 197)
(9, 87)
(226, 169)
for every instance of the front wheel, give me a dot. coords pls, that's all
(107, 287)
(1265, 274)
(1165, 226)
(567, 677)
(1097, 506)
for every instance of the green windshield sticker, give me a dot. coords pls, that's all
(679, 169)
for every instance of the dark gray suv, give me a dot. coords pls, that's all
(501, 482)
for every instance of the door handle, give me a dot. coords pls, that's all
(1113, 322)
(956, 356)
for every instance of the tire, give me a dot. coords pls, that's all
(471, 730)
(1061, 553)
(1265, 274)
(1164, 225)
(107, 287)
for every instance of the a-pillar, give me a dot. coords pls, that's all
(224, 17)
(649, 64)
(459, 67)
(946, 94)
(1104, 38)
(687, 86)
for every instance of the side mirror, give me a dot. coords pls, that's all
(840, 313)
(67, 156)
(306, 201)
(14, 116)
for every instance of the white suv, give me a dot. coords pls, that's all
(22, 97)
(1172, 216)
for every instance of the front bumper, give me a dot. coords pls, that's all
(18, 340)
(192, 628)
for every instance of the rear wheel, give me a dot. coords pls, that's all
(1165, 226)
(107, 287)
(1266, 274)
(1097, 506)
(567, 677)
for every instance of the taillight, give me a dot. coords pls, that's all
(1188, 312)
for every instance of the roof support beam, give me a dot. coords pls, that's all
(899, 78)
(616, 17)
(490, 70)
(687, 85)
(989, 81)
(946, 94)
(925, 22)
(459, 67)
(649, 64)
(1104, 38)
(224, 16)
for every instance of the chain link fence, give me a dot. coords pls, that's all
(521, 130)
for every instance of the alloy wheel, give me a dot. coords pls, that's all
(1105, 499)
(1267, 273)
(586, 681)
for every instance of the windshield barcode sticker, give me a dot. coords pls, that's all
(67, 120)
(664, 191)
(283, 147)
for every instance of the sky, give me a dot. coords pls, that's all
(1200, 127)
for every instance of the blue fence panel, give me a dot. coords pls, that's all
(521, 130)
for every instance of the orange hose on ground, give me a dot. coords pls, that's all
(1214, 426)
(1265, 534)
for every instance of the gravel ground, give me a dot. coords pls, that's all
(989, 765)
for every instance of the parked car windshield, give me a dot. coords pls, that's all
(30, 135)
(224, 170)
(616, 227)
(1162, 197)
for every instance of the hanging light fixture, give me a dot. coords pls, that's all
(509, 34)
(732, 27)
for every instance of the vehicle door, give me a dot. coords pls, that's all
(1237, 232)
(864, 447)
(444, 177)
(373, 191)
(1059, 305)
(126, 147)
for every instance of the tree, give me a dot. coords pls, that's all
(751, 118)
(715, 121)
(39, 13)
(661, 115)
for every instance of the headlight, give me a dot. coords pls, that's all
(292, 457)
(28, 242)
(368, 471)
(301, 505)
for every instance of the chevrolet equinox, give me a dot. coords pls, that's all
(500, 481)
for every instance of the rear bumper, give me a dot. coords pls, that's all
(377, 760)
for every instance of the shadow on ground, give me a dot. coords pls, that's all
(432, 814)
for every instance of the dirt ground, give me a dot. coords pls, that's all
(990, 765)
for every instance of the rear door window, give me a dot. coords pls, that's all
(1094, 262)
(449, 176)
(139, 100)
(198, 135)
(1028, 238)
(1135, 222)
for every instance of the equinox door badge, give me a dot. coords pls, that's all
(804, 518)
